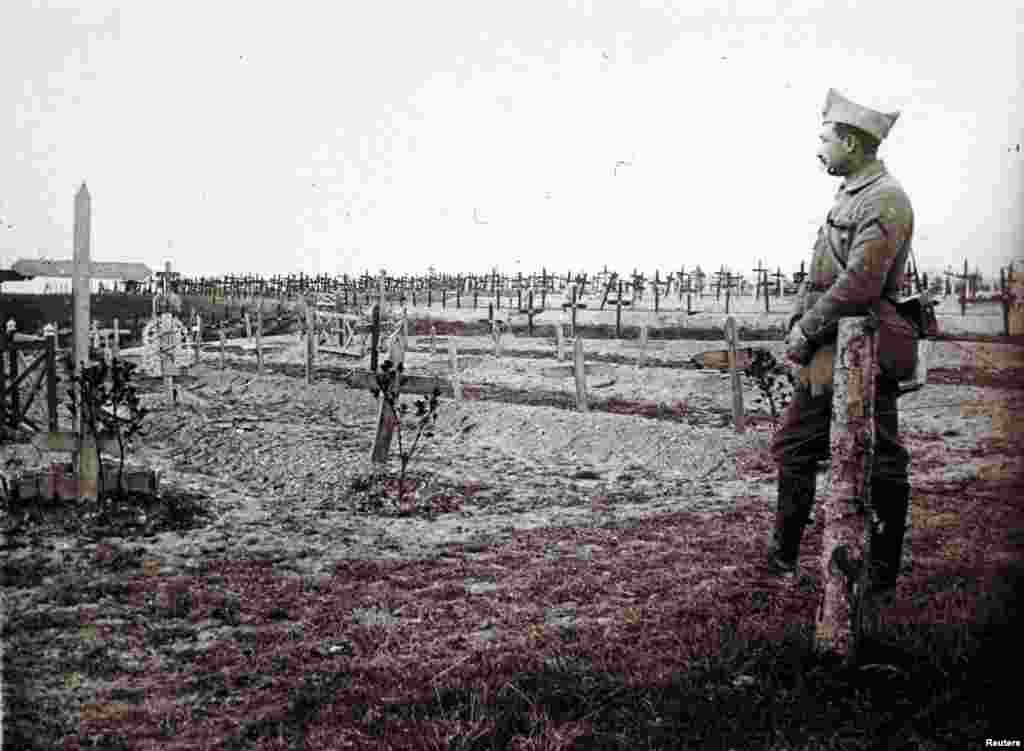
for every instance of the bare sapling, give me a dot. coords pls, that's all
(425, 420)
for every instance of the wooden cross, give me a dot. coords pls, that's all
(964, 277)
(607, 289)
(760, 271)
(573, 306)
(799, 276)
(778, 281)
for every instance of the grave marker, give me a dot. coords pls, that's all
(453, 363)
(581, 378)
(642, 359)
(259, 338)
(311, 342)
(739, 419)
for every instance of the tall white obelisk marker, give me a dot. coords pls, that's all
(85, 460)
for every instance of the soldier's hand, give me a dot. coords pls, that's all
(798, 347)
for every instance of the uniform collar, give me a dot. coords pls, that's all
(870, 173)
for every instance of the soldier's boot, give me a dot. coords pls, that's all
(796, 498)
(891, 499)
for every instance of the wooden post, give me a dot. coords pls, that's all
(248, 327)
(847, 610)
(642, 359)
(618, 313)
(963, 292)
(311, 340)
(657, 292)
(572, 327)
(223, 343)
(529, 315)
(560, 341)
(453, 364)
(581, 378)
(496, 336)
(374, 338)
(738, 416)
(117, 338)
(51, 380)
(433, 339)
(259, 338)
(199, 337)
(385, 426)
(12, 359)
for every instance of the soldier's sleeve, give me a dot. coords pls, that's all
(884, 226)
(800, 306)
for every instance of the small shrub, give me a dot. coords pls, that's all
(109, 406)
(425, 413)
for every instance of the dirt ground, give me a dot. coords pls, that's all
(266, 468)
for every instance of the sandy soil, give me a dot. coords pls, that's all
(273, 462)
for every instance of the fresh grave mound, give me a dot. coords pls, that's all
(594, 440)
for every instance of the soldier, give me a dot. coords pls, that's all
(857, 268)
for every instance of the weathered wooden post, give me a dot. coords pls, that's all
(847, 610)
(642, 359)
(374, 338)
(223, 343)
(311, 341)
(386, 419)
(618, 313)
(560, 341)
(259, 338)
(581, 377)
(572, 327)
(738, 416)
(453, 364)
(117, 338)
(198, 341)
(248, 327)
(496, 336)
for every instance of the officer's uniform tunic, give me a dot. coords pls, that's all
(859, 261)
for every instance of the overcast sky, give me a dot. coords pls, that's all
(341, 136)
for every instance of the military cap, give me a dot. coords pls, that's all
(839, 109)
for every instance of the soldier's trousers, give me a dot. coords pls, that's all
(803, 436)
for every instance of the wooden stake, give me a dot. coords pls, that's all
(223, 343)
(643, 345)
(560, 341)
(311, 342)
(847, 611)
(199, 337)
(581, 378)
(453, 363)
(259, 338)
(385, 426)
(739, 419)
(496, 336)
